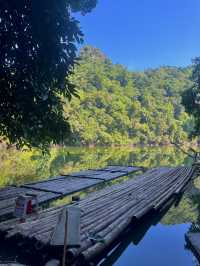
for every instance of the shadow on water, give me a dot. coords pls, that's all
(136, 233)
(195, 226)
(159, 237)
(133, 236)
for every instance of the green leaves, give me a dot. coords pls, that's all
(38, 50)
(191, 97)
(119, 107)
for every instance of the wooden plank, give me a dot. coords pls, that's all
(125, 169)
(105, 175)
(112, 175)
(69, 221)
(71, 184)
(110, 169)
(59, 186)
(9, 195)
(87, 173)
(47, 180)
(65, 186)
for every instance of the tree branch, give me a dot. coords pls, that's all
(185, 152)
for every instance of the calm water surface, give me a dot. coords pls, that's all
(162, 245)
(160, 241)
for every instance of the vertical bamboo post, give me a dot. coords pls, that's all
(64, 259)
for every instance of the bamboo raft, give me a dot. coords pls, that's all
(106, 214)
(60, 186)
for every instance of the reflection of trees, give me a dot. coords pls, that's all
(195, 226)
(188, 210)
(185, 213)
(82, 158)
(20, 167)
(195, 198)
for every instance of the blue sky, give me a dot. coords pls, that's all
(144, 34)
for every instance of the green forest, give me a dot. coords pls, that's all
(121, 107)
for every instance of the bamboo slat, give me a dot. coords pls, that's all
(107, 213)
(59, 186)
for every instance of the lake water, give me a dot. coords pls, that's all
(159, 241)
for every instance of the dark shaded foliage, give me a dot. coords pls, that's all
(191, 97)
(37, 40)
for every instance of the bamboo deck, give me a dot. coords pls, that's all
(106, 214)
(60, 186)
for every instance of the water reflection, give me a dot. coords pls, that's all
(20, 167)
(163, 244)
(133, 237)
(158, 239)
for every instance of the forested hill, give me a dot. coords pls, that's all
(118, 106)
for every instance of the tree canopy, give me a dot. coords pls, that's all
(38, 50)
(119, 107)
(191, 97)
